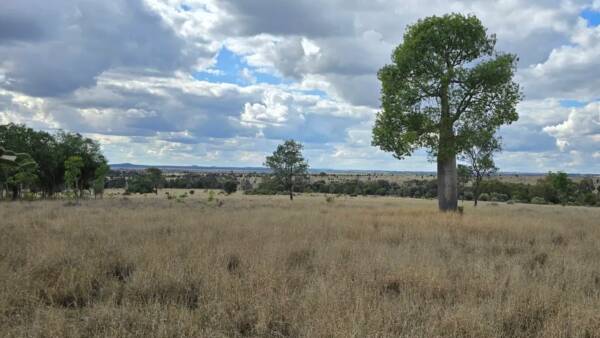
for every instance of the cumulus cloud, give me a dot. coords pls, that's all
(580, 131)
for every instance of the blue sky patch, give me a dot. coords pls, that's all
(229, 67)
(572, 103)
(592, 17)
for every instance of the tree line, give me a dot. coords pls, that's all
(554, 188)
(47, 163)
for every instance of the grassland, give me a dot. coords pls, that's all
(266, 267)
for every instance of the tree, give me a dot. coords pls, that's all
(288, 165)
(561, 183)
(155, 176)
(480, 159)
(73, 166)
(446, 84)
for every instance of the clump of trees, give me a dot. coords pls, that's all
(149, 181)
(41, 162)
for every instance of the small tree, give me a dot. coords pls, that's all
(288, 165)
(73, 166)
(480, 159)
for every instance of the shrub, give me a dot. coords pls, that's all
(329, 199)
(468, 195)
(498, 197)
(230, 187)
(484, 197)
(538, 200)
(191, 192)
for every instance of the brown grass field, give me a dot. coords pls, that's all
(259, 266)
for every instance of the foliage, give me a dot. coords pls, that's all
(288, 165)
(141, 184)
(100, 179)
(73, 167)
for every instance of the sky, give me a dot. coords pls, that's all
(222, 82)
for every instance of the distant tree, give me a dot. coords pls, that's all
(230, 186)
(288, 165)
(446, 84)
(480, 159)
(155, 176)
(561, 183)
(73, 166)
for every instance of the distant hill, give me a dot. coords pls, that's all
(217, 169)
(195, 168)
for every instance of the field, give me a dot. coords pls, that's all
(260, 266)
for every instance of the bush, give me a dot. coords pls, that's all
(468, 195)
(484, 197)
(498, 197)
(538, 200)
(230, 187)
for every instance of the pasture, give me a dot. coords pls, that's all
(256, 266)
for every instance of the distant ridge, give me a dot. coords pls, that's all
(196, 168)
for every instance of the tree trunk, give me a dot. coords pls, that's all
(447, 183)
(476, 191)
(291, 191)
(15, 192)
(447, 174)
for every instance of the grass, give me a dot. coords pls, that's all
(259, 266)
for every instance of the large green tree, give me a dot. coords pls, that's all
(288, 165)
(446, 84)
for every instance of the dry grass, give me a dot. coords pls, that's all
(264, 267)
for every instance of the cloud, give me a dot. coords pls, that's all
(580, 131)
(70, 43)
